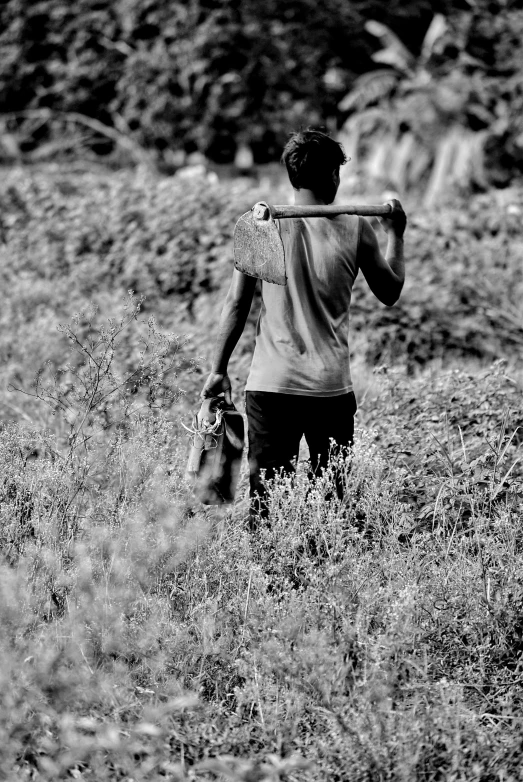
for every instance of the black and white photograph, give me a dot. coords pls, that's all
(261, 391)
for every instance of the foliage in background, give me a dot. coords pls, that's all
(70, 240)
(175, 77)
(75, 238)
(463, 291)
(432, 92)
(154, 81)
(450, 117)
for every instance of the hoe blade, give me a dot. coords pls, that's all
(258, 249)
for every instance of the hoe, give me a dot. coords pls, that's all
(258, 248)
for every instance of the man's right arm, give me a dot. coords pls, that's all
(232, 322)
(385, 275)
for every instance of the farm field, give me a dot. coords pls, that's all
(147, 638)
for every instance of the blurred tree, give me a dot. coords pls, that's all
(211, 75)
(58, 57)
(451, 116)
(207, 75)
(195, 75)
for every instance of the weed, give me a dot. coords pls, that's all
(377, 636)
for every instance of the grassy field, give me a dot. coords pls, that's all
(147, 638)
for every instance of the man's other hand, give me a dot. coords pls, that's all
(397, 221)
(217, 384)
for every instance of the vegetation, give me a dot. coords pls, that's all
(76, 238)
(145, 637)
(152, 82)
(449, 117)
(174, 77)
(143, 641)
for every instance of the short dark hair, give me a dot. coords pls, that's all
(310, 157)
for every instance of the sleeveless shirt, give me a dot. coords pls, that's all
(302, 342)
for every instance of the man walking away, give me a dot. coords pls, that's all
(300, 382)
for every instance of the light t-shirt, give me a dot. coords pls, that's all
(302, 335)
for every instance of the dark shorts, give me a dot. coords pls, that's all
(277, 422)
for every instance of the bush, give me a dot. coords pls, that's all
(73, 239)
(145, 636)
(162, 639)
(172, 78)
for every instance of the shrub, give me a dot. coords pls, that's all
(163, 639)
(145, 636)
(73, 239)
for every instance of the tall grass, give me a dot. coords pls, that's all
(378, 637)
(144, 637)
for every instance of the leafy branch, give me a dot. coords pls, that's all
(91, 393)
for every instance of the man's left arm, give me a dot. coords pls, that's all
(230, 328)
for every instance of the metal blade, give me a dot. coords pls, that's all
(258, 249)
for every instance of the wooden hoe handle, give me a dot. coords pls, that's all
(263, 211)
